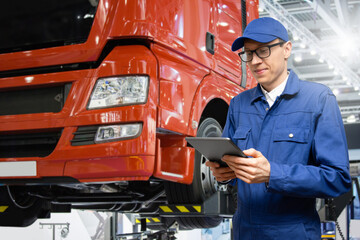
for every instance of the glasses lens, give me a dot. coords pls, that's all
(246, 56)
(263, 52)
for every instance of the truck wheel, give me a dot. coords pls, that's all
(202, 187)
(18, 209)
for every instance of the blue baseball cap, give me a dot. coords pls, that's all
(262, 30)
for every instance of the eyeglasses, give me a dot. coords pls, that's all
(261, 52)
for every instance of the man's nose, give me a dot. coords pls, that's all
(255, 59)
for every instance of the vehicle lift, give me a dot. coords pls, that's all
(220, 204)
(333, 208)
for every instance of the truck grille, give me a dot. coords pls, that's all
(39, 100)
(84, 136)
(29, 144)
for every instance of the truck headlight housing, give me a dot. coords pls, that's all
(111, 133)
(119, 91)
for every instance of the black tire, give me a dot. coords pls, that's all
(21, 209)
(202, 187)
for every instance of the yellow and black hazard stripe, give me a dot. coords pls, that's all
(3, 208)
(180, 209)
(148, 220)
(328, 236)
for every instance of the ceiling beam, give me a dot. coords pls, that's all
(323, 9)
(342, 12)
(315, 75)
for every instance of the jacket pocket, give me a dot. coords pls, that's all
(298, 135)
(291, 145)
(241, 136)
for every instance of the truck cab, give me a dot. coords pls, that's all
(97, 97)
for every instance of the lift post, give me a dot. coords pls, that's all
(219, 204)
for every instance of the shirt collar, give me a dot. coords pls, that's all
(273, 94)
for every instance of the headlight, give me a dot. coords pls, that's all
(117, 132)
(119, 91)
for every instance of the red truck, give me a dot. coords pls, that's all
(97, 97)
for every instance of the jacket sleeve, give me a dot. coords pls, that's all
(328, 175)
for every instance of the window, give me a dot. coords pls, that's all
(28, 25)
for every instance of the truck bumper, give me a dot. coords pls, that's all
(130, 159)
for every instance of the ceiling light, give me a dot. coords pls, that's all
(261, 6)
(321, 60)
(298, 57)
(351, 118)
(336, 91)
(295, 36)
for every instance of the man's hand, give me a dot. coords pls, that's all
(250, 170)
(220, 173)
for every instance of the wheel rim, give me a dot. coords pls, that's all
(208, 182)
(203, 186)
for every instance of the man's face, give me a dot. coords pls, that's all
(270, 71)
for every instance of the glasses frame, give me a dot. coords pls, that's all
(254, 51)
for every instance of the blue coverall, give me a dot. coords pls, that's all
(303, 138)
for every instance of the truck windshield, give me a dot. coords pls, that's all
(28, 25)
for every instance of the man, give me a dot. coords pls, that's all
(295, 140)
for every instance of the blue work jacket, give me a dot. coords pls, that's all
(303, 138)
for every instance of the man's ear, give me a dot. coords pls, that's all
(287, 49)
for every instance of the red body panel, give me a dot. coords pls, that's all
(184, 78)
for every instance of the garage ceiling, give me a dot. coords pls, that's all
(326, 45)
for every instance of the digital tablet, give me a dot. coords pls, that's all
(214, 148)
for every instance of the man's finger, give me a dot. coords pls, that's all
(212, 164)
(252, 153)
(235, 160)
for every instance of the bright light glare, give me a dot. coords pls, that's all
(298, 57)
(295, 37)
(351, 118)
(29, 79)
(223, 24)
(347, 46)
